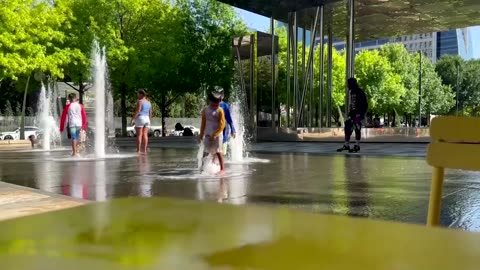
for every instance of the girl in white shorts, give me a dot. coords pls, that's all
(141, 120)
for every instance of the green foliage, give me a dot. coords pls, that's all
(30, 38)
(469, 90)
(462, 76)
(8, 110)
(403, 64)
(378, 79)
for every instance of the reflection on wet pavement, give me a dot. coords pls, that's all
(375, 187)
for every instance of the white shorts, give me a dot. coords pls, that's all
(213, 147)
(142, 121)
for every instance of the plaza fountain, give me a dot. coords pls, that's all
(99, 71)
(237, 145)
(47, 117)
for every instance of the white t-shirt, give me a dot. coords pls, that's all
(75, 115)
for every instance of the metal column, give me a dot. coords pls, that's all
(329, 75)
(308, 75)
(251, 78)
(300, 101)
(350, 49)
(295, 68)
(289, 36)
(420, 90)
(312, 52)
(321, 60)
(272, 32)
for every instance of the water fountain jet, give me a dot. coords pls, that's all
(99, 71)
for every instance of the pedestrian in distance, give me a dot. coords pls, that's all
(141, 120)
(76, 118)
(357, 111)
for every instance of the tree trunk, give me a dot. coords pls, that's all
(123, 104)
(81, 92)
(340, 117)
(164, 111)
(394, 119)
(22, 120)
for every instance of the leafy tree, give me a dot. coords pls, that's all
(437, 98)
(29, 41)
(381, 84)
(403, 64)
(451, 69)
(80, 35)
(8, 110)
(469, 90)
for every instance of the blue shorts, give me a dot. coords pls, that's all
(75, 133)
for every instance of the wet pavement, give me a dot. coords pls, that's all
(379, 187)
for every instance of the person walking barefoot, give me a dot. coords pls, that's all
(141, 120)
(74, 112)
(213, 123)
(219, 93)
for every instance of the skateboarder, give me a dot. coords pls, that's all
(358, 109)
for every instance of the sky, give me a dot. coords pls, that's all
(262, 23)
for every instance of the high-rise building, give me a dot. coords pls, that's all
(433, 45)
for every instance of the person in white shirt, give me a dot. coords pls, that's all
(76, 117)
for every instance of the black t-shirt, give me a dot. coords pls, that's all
(358, 102)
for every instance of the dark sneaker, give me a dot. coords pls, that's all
(344, 148)
(355, 149)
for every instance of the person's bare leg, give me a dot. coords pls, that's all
(220, 160)
(139, 132)
(145, 139)
(74, 147)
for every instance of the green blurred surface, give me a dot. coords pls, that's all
(159, 233)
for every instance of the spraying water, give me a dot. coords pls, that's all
(46, 117)
(237, 145)
(99, 69)
(207, 165)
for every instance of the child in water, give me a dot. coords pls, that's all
(211, 131)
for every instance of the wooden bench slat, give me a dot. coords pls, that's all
(454, 156)
(449, 128)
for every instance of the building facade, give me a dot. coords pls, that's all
(433, 45)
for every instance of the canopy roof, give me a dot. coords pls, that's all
(374, 19)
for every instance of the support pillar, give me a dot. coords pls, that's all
(321, 60)
(301, 102)
(308, 70)
(251, 81)
(420, 90)
(272, 32)
(329, 75)
(295, 68)
(312, 53)
(289, 37)
(350, 49)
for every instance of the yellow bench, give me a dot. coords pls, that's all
(155, 233)
(455, 145)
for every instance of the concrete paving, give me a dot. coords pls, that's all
(17, 201)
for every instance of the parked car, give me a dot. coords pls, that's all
(155, 131)
(15, 135)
